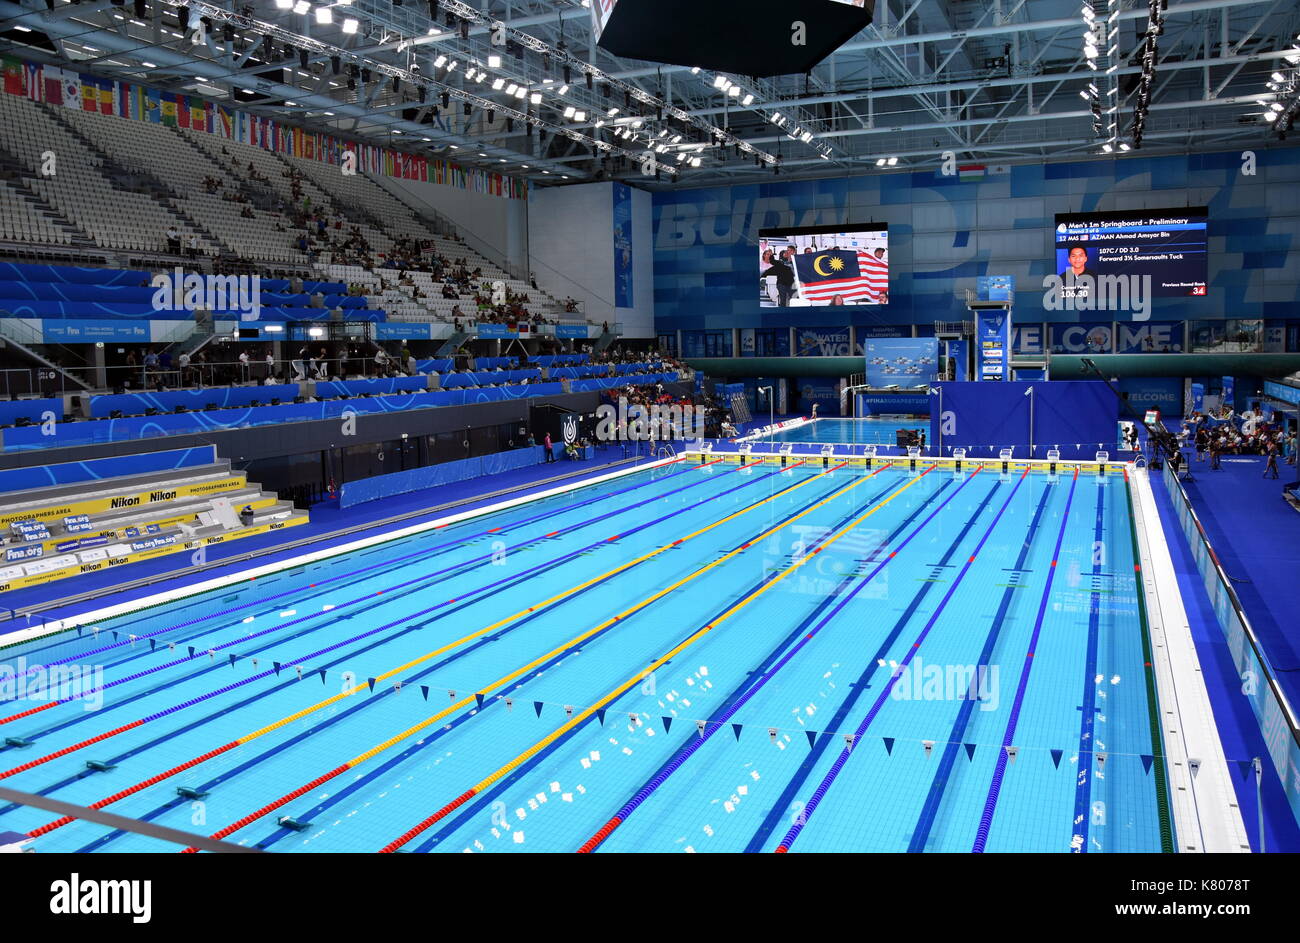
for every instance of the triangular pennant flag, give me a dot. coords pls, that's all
(1056, 758)
(568, 711)
(848, 741)
(537, 706)
(275, 666)
(970, 750)
(1101, 762)
(322, 676)
(889, 745)
(1194, 766)
(699, 725)
(232, 660)
(254, 662)
(171, 646)
(510, 704)
(153, 644)
(371, 682)
(771, 734)
(478, 698)
(114, 631)
(1147, 759)
(812, 737)
(1011, 753)
(397, 687)
(928, 746)
(736, 730)
(424, 689)
(191, 651)
(298, 670)
(451, 695)
(668, 722)
(600, 716)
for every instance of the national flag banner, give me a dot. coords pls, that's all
(89, 93)
(35, 82)
(222, 126)
(169, 109)
(71, 89)
(108, 97)
(52, 77)
(153, 106)
(855, 276)
(124, 93)
(182, 111)
(199, 114)
(15, 77)
(970, 171)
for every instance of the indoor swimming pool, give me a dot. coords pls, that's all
(693, 657)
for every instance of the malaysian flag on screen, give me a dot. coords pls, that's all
(856, 275)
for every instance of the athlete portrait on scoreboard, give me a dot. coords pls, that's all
(1076, 257)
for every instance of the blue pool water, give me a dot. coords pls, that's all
(784, 611)
(848, 431)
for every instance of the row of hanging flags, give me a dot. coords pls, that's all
(55, 86)
(633, 719)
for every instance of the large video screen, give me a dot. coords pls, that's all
(815, 266)
(1168, 245)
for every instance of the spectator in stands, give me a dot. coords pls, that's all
(193, 248)
(269, 359)
(243, 366)
(1270, 454)
(546, 444)
(150, 366)
(184, 363)
(173, 240)
(381, 361)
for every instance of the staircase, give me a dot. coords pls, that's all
(12, 170)
(19, 336)
(452, 344)
(153, 187)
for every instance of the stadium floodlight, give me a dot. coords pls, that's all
(494, 62)
(535, 98)
(720, 81)
(301, 7)
(439, 62)
(734, 91)
(579, 116)
(324, 16)
(562, 90)
(511, 88)
(893, 161)
(498, 84)
(349, 25)
(569, 111)
(521, 92)
(880, 162)
(748, 100)
(284, 4)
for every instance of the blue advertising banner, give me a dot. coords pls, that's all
(1198, 397)
(959, 358)
(1229, 392)
(399, 330)
(993, 335)
(1027, 338)
(1154, 337)
(874, 404)
(824, 391)
(622, 245)
(901, 361)
(75, 331)
(494, 331)
(571, 331)
(1097, 337)
(746, 342)
(1287, 394)
(1162, 393)
(822, 342)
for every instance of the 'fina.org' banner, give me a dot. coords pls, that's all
(622, 245)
